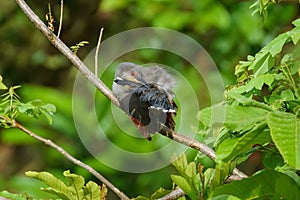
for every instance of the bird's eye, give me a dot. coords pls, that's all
(132, 74)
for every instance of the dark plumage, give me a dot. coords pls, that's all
(146, 96)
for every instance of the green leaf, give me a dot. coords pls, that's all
(12, 196)
(263, 65)
(191, 170)
(184, 185)
(264, 185)
(92, 191)
(160, 193)
(75, 184)
(285, 132)
(296, 22)
(236, 118)
(231, 148)
(57, 186)
(275, 46)
(2, 85)
(294, 34)
(287, 95)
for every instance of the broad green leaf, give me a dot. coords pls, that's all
(294, 34)
(236, 118)
(297, 21)
(287, 95)
(231, 148)
(184, 185)
(264, 185)
(57, 185)
(275, 46)
(285, 132)
(92, 191)
(75, 184)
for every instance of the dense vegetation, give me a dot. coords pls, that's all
(259, 129)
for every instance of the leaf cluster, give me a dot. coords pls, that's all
(260, 113)
(11, 106)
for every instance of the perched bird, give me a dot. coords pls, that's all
(145, 95)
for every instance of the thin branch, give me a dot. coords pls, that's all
(67, 52)
(61, 17)
(68, 156)
(97, 52)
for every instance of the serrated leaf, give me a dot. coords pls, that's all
(265, 184)
(285, 132)
(75, 184)
(184, 185)
(56, 184)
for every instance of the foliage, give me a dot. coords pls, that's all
(45, 74)
(76, 47)
(74, 189)
(11, 106)
(260, 113)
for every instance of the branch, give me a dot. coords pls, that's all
(68, 156)
(92, 78)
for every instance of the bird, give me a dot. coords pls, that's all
(145, 94)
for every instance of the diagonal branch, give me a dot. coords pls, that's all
(92, 78)
(68, 156)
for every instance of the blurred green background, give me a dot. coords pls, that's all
(226, 29)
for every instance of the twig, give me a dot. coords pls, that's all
(61, 17)
(68, 156)
(97, 52)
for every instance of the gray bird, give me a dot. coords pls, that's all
(145, 94)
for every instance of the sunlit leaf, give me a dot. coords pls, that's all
(57, 186)
(285, 132)
(185, 186)
(269, 184)
(231, 148)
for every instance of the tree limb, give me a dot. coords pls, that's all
(68, 156)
